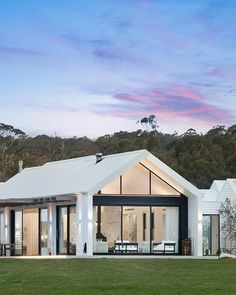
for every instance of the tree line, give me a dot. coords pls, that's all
(200, 158)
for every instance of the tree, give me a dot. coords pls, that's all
(8, 138)
(216, 130)
(190, 132)
(228, 212)
(150, 123)
(232, 129)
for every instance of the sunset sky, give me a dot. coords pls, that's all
(92, 67)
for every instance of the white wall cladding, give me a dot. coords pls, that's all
(217, 194)
(210, 204)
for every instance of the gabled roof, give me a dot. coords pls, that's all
(228, 189)
(217, 185)
(220, 189)
(84, 175)
(232, 182)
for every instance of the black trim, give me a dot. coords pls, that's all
(150, 182)
(144, 225)
(68, 231)
(183, 221)
(39, 231)
(121, 223)
(149, 201)
(12, 229)
(150, 230)
(127, 200)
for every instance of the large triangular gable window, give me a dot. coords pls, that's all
(139, 180)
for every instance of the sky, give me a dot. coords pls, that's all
(94, 67)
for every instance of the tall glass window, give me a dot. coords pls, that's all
(210, 226)
(18, 235)
(165, 229)
(66, 230)
(62, 228)
(72, 241)
(138, 229)
(44, 231)
(1, 227)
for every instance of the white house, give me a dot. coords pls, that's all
(128, 203)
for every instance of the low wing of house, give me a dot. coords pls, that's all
(217, 194)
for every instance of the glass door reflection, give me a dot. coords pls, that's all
(66, 228)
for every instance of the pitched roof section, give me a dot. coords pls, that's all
(84, 175)
(67, 176)
(217, 185)
(232, 182)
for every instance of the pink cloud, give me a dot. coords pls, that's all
(187, 92)
(172, 102)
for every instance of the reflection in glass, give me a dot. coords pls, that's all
(137, 230)
(18, 232)
(210, 226)
(165, 229)
(62, 222)
(107, 228)
(72, 242)
(67, 230)
(1, 227)
(44, 232)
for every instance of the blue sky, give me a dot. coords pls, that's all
(95, 67)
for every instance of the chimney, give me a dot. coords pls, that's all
(98, 157)
(20, 165)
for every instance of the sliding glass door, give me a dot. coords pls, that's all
(30, 231)
(72, 230)
(66, 231)
(137, 229)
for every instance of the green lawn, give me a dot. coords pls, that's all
(117, 276)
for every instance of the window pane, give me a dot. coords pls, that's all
(18, 232)
(1, 227)
(108, 228)
(136, 229)
(165, 229)
(44, 231)
(72, 245)
(62, 222)
(112, 188)
(210, 227)
(159, 187)
(136, 181)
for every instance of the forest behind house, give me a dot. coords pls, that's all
(200, 158)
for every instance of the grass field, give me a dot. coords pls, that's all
(117, 276)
